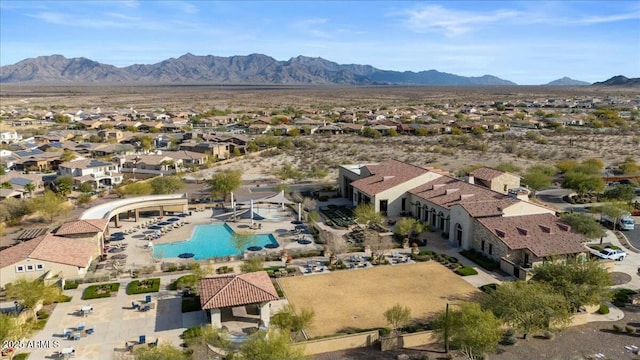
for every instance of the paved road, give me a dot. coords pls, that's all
(553, 197)
(634, 235)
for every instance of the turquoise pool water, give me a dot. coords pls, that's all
(209, 241)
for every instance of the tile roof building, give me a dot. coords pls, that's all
(46, 256)
(238, 290)
(467, 213)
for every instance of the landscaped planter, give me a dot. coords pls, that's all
(143, 286)
(100, 291)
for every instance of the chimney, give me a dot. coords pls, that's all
(465, 196)
(451, 191)
(545, 229)
(471, 179)
(388, 177)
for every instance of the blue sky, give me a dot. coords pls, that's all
(529, 42)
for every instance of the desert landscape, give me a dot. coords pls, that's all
(520, 146)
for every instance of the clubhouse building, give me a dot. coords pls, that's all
(487, 212)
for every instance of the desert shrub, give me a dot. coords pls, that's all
(487, 288)
(186, 281)
(617, 328)
(224, 269)
(420, 258)
(71, 285)
(466, 271)
(548, 335)
(630, 329)
(480, 259)
(63, 299)
(509, 340)
(622, 296)
(191, 333)
(604, 309)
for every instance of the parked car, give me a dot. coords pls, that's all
(612, 254)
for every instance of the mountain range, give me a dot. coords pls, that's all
(241, 69)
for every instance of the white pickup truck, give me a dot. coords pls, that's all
(610, 254)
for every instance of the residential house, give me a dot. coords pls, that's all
(496, 180)
(99, 173)
(46, 256)
(149, 125)
(36, 160)
(109, 136)
(218, 150)
(259, 129)
(9, 137)
(148, 165)
(189, 158)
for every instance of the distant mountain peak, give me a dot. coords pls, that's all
(252, 68)
(567, 81)
(619, 80)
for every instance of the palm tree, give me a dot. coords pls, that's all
(30, 187)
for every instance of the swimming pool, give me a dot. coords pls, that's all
(209, 241)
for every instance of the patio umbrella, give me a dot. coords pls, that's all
(150, 244)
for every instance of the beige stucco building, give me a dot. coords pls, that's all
(467, 213)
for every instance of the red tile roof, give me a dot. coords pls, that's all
(90, 226)
(231, 291)
(447, 191)
(486, 173)
(51, 248)
(487, 208)
(542, 234)
(387, 175)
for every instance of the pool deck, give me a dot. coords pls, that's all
(138, 254)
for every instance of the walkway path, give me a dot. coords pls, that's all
(115, 322)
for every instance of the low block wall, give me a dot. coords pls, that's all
(313, 347)
(417, 339)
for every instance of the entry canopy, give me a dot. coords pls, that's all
(278, 198)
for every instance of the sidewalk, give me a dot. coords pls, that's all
(115, 322)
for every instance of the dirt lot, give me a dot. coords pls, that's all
(357, 298)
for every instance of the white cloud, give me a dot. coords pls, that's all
(453, 22)
(115, 21)
(313, 27)
(609, 18)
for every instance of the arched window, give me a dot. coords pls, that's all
(433, 217)
(441, 217)
(459, 235)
